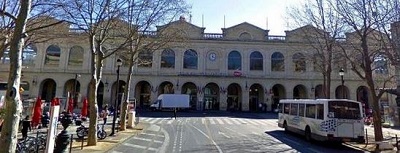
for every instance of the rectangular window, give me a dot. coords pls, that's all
(344, 110)
(310, 110)
(286, 108)
(320, 111)
(293, 109)
(301, 110)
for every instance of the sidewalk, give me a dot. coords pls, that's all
(109, 142)
(389, 135)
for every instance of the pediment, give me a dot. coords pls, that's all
(244, 31)
(182, 27)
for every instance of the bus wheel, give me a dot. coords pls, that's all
(307, 134)
(285, 126)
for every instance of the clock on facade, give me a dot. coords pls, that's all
(212, 56)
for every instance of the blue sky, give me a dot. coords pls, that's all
(261, 13)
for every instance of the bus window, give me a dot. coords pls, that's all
(286, 108)
(310, 110)
(293, 109)
(344, 110)
(301, 110)
(320, 111)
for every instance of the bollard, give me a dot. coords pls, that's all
(62, 140)
(37, 145)
(366, 137)
(397, 142)
(82, 142)
(70, 143)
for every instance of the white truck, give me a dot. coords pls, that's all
(171, 101)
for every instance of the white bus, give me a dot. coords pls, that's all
(338, 120)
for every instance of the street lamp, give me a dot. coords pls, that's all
(341, 73)
(119, 63)
(74, 89)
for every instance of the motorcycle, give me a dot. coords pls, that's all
(82, 131)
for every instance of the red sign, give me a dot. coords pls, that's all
(237, 73)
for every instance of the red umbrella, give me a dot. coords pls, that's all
(84, 108)
(70, 105)
(37, 112)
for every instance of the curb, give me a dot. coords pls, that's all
(145, 126)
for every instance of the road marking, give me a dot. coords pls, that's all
(140, 147)
(222, 133)
(235, 121)
(116, 152)
(150, 134)
(203, 121)
(170, 121)
(227, 121)
(211, 121)
(145, 139)
(219, 121)
(163, 147)
(252, 122)
(216, 145)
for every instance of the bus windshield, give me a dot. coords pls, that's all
(344, 110)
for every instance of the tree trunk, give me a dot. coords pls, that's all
(96, 68)
(126, 92)
(13, 106)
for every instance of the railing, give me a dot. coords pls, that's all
(212, 36)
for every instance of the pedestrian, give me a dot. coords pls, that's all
(45, 119)
(26, 125)
(104, 114)
(175, 113)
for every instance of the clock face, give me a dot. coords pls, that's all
(213, 56)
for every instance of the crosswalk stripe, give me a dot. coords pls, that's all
(228, 121)
(219, 121)
(170, 121)
(203, 121)
(211, 121)
(154, 120)
(235, 121)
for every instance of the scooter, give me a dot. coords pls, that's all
(83, 131)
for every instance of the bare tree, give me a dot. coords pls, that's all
(143, 38)
(367, 44)
(13, 25)
(13, 101)
(324, 25)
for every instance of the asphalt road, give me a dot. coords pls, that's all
(219, 132)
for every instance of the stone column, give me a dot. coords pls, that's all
(222, 101)
(245, 101)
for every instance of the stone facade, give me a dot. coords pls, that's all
(213, 82)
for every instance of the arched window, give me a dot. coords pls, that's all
(299, 62)
(75, 56)
(256, 61)
(29, 54)
(381, 64)
(277, 62)
(234, 61)
(244, 36)
(190, 59)
(52, 55)
(145, 58)
(168, 58)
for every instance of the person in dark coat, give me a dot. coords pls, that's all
(26, 125)
(45, 120)
(175, 113)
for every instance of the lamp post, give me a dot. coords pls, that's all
(74, 90)
(341, 73)
(119, 63)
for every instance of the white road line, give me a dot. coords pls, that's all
(116, 152)
(251, 122)
(219, 121)
(235, 121)
(216, 145)
(145, 139)
(170, 121)
(203, 121)
(228, 121)
(258, 121)
(140, 147)
(150, 134)
(211, 121)
(240, 121)
(163, 147)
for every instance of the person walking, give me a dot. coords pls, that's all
(175, 113)
(104, 114)
(26, 125)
